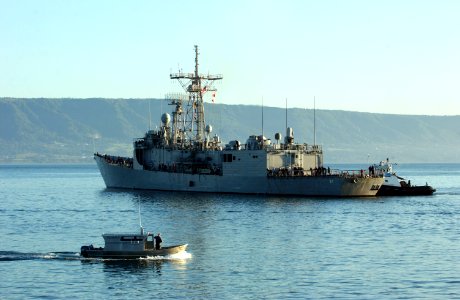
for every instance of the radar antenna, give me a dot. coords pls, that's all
(195, 85)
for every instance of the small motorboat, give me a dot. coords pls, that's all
(405, 189)
(129, 246)
(395, 185)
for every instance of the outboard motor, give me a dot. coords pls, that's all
(84, 250)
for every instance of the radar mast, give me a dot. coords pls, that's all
(193, 124)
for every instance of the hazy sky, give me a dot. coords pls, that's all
(400, 57)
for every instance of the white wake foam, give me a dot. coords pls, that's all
(178, 256)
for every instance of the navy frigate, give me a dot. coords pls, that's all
(183, 155)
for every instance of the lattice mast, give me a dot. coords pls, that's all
(195, 85)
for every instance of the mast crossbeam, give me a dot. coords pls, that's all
(192, 125)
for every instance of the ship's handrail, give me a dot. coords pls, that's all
(279, 147)
(182, 75)
(126, 162)
(300, 172)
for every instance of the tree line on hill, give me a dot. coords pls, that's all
(71, 130)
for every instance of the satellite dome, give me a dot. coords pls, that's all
(165, 118)
(208, 128)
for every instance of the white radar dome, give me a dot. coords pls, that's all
(208, 128)
(165, 118)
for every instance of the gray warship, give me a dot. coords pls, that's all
(183, 155)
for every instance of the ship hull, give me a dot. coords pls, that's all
(101, 253)
(116, 176)
(388, 190)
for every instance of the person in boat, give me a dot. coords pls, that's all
(158, 241)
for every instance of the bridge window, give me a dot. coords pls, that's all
(131, 238)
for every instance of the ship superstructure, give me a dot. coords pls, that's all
(184, 155)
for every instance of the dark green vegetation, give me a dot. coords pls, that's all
(69, 130)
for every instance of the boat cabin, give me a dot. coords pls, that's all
(128, 242)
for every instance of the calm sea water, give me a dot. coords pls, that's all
(240, 246)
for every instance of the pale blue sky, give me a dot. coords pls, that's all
(400, 57)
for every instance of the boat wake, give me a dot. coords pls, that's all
(14, 255)
(178, 256)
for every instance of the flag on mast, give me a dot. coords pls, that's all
(213, 97)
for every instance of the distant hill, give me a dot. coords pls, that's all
(70, 130)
